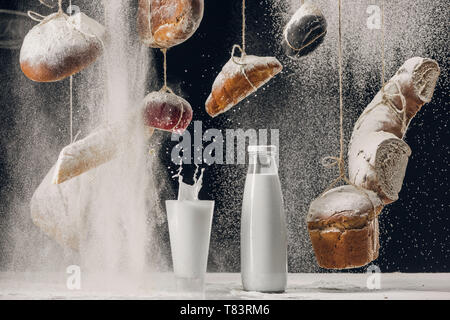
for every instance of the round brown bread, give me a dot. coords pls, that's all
(166, 23)
(61, 46)
(239, 78)
(343, 227)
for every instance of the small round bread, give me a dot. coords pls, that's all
(305, 31)
(239, 78)
(167, 23)
(61, 46)
(343, 227)
(167, 111)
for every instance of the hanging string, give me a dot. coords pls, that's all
(70, 87)
(383, 64)
(39, 17)
(243, 28)
(331, 161)
(46, 4)
(165, 86)
(241, 48)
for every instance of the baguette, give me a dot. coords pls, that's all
(377, 154)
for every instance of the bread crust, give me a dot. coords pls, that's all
(68, 66)
(236, 82)
(166, 23)
(167, 111)
(347, 248)
(61, 46)
(343, 227)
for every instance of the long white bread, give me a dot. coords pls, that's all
(55, 209)
(96, 149)
(377, 154)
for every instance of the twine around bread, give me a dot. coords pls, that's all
(331, 161)
(149, 18)
(45, 19)
(167, 89)
(241, 48)
(309, 32)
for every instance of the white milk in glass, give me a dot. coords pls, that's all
(263, 225)
(190, 222)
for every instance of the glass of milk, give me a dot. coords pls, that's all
(263, 225)
(190, 230)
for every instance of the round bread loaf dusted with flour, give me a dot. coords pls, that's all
(305, 31)
(343, 227)
(61, 46)
(166, 23)
(239, 78)
(166, 111)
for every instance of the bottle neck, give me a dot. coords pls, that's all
(262, 163)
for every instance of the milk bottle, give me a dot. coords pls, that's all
(263, 225)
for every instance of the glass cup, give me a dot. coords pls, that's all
(190, 231)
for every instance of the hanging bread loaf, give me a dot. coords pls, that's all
(342, 223)
(99, 147)
(377, 153)
(166, 23)
(343, 227)
(61, 46)
(239, 78)
(160, 110)
(55, 209)
(167, 111)
(305, 31)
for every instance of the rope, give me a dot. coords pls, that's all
(71, 107)
(43, 19)
(46, 4)
(40, 18)
(70, 88)
(166, 88)
(243, 28)
(383, 66)
(35, 16)
(331, 161)
(241, 48)
(340, 161)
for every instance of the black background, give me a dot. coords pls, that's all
(415, 229)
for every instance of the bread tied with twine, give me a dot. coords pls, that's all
(240, 76)
(60, 45)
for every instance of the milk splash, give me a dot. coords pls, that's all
(187, 191)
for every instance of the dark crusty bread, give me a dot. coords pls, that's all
(343, 227)
(238, 79)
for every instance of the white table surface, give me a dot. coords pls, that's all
(226, 286)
